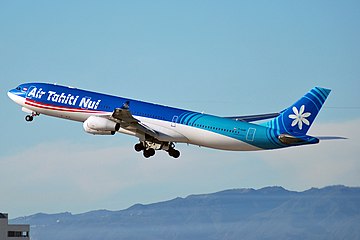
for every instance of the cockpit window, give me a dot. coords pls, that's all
(18, 88)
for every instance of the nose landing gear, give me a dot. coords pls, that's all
(31, 116)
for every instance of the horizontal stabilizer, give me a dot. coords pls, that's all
(253, 118)
(331, 138)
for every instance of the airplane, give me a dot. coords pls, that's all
(159, 127)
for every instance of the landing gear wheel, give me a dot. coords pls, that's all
(29, 118)
(174, 153)
(138, 147)
(146, 154)
(152, 151)
(149, 152)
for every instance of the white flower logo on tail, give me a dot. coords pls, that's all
(299, 117)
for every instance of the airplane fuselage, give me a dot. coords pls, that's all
(162, 124)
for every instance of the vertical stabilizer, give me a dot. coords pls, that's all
(297, 119)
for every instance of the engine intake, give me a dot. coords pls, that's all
(100, 126)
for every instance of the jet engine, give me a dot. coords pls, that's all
(100, 126)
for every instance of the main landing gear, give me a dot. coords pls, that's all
(149, 148)
(29, 118)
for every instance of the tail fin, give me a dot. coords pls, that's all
(297, 119)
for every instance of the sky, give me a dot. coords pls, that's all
(219, 57)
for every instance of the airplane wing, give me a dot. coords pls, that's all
(252, 118)
(127, 121)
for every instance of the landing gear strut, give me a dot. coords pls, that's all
(31, 116)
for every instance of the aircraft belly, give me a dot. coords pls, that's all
(187, 134)
(60, 114)
(210, 139)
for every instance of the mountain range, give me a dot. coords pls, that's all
(269, 213)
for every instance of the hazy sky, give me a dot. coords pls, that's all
(221, 57)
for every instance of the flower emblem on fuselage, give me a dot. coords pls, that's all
(299, 117)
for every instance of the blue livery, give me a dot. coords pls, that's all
(159, 127)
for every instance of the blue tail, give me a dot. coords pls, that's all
(297, 119)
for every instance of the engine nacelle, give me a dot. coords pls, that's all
(97, 132)
(100, 126)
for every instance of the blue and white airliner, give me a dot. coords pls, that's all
(159, 127)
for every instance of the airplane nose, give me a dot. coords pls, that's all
(15, 95)
(11, 95)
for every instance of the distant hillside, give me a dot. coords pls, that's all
(268, 213)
